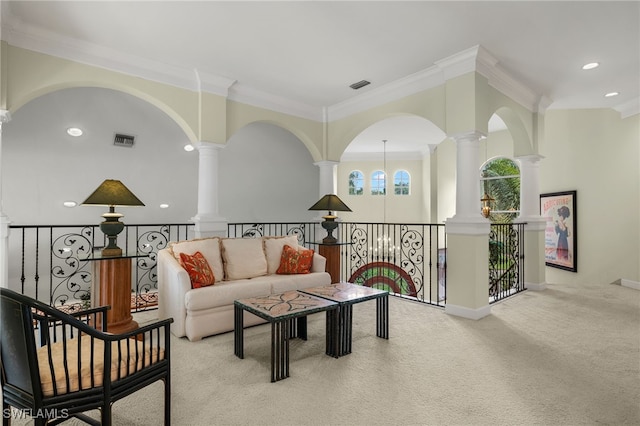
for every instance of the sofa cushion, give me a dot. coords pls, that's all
(210, 249)
(295, 260)
(273, 250)
(297, 282)
(243, 258)
(198, 269)
(226, 292)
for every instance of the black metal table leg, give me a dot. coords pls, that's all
(280, 331)
(238, 331)
(302, 327)
(346, 328)
(333, 333)
(382, 316)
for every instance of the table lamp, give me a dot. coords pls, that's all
(112, 193)
(331, 203)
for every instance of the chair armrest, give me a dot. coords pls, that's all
(173, 285)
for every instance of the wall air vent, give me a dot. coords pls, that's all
(123, 140)
(360, 84)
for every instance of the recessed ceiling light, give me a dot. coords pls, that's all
(590, 66)
(69, 204)
(74, 131)
(164, 206)
(188, 147)
(611, 94)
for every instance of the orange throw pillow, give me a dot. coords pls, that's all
(198, 269)
(293, 261)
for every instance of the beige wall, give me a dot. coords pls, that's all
(595, 152)
(371, 208)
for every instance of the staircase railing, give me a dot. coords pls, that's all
(506, 260)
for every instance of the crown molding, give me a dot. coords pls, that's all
(258, 98)
(476, 58)
(488, 66)
(629, 109)
(28, 37)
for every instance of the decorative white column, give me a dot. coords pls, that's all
(534, 261)
(208, 220)
(468, 179)
(5, 117)
(529, 187)
(328, 177)
(468, 237)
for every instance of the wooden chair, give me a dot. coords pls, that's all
(55, 365)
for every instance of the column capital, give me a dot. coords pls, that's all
(326, 163)
(202, 145)
(530, 158)
(5, 116)
(470, 225)
(471, 136)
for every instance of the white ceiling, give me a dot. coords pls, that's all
(308, 53)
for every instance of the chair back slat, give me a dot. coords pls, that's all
(17, 343)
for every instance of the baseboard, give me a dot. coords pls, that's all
(631, 284)
(535, 286)
(464, 312)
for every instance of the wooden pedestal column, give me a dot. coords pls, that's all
(332, 253)
(114, 288)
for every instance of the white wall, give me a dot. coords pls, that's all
(596, 153)
(267, 174)
(42, 166)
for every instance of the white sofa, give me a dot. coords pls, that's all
(243, 267)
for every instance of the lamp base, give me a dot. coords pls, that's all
(111, 227)
(329, 225)
(329, 240)
(111, 251)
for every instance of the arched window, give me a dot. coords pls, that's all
(401, 182)
(378, 183)
(356, 183)
(500, 179)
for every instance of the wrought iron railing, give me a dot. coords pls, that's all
(506, 260)
(49, 263)
(408, 260)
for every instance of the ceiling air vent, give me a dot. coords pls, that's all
(123, 140)
(360, 84)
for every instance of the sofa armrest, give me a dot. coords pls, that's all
(173, 284)
(319, 263)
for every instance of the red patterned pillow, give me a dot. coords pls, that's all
(198, 269)
(293, 261)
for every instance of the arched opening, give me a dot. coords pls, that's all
(397, 143)
(266, 175)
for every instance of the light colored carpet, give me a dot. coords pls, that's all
(569, 355)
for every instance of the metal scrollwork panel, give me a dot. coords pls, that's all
(149, 242)
(70, 274)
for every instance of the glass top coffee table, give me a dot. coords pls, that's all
(287, 314)
(346, 295)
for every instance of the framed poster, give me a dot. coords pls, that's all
(560, 237)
